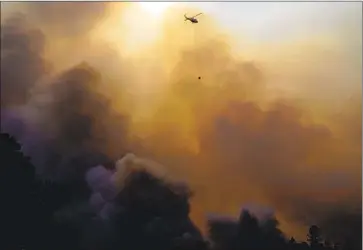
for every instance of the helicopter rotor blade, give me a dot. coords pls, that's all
(198, 14)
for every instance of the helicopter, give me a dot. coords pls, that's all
(192, 19)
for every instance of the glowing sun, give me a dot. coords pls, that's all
(155, 8)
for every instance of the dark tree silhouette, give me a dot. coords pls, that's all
(223, 233)
(149, 213)
(249, 233)
(17, 193)
(314, 236)
(28, 203)
(155, 213)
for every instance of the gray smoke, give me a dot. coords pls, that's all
(67, 122)
(106, 184)
(22, 64)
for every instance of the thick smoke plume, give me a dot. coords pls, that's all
(107, 184)
(77, 100)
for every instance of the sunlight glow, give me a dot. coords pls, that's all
(155, 8)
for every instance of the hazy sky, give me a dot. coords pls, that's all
(278, 21)
(303, 50)
(263, 21)
(267, 22)
(269, 28)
